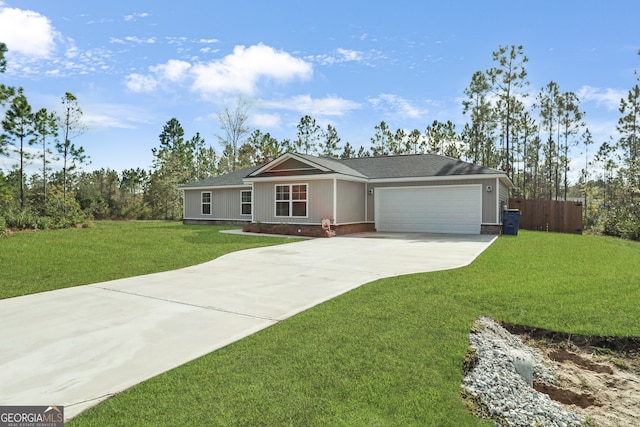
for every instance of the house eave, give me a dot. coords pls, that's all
(503, 178)
(216, 187)
(304, 178)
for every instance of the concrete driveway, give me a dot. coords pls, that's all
(78, 346)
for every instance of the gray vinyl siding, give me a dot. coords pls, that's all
(503, 200)
(192, 205)
(225, 204)
(319, 202)
(488, 198)
(351, 202)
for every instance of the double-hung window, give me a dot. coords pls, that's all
(245, 202)
(291, 200)
(205, 200)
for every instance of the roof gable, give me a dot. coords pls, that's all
(291, 164)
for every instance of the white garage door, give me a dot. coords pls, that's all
(441, 209)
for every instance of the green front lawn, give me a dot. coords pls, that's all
(390, 352)
(40, 261)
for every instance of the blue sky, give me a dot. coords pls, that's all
(135, 65)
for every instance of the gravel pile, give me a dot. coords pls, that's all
(503, 376)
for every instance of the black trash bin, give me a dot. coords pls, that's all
(510, 221)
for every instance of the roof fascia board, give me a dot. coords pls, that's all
(436, 178)
(305, 178)
(216, 187)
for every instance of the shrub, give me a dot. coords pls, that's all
(63, 214)
(22, 220)
(3, 227)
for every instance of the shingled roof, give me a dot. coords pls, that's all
(415, 165)
(384, 167)
(230, 179)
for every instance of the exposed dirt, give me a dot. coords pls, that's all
(598, 377)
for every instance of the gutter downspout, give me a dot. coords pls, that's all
(498, 216)
(253, 207)
(335, 201)
(366, 202)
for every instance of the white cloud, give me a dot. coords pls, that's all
(349, 55)
(134, 16)
(207, 41)
(134, 39)
(119, 116)
(94, 121)
(341, 55)
(609, 98)
(241, 70)
(141, 83)
(176, 40)
(208, 50)
(238, 72)
(266, 120)
(174, 70)
(397, 105)
(27, 32)
(305, 104)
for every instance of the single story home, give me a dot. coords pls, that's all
(294, 193)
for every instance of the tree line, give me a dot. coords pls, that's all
(533, 142)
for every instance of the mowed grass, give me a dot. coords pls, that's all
(390, 352)
(40, 261)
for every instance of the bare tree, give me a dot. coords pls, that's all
(235, 128)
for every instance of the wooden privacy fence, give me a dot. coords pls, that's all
(549, 215)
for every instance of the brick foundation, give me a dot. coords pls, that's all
(307, 230)
(491, 229)
(212, 222)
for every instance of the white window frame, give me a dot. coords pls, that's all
(249, 203)
(291, 201)
(209, 203)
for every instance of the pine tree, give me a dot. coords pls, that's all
(46, 124)
(479, 137)
(381, 142)
(173, 165)
(308, 136)
(330, 145)
(570, 120)
(348, 152)
(18, 125)
(547, 104)
(508, 79)
(629, 128)
(265, 147)
(70, 123)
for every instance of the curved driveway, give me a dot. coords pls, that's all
(78, 346)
